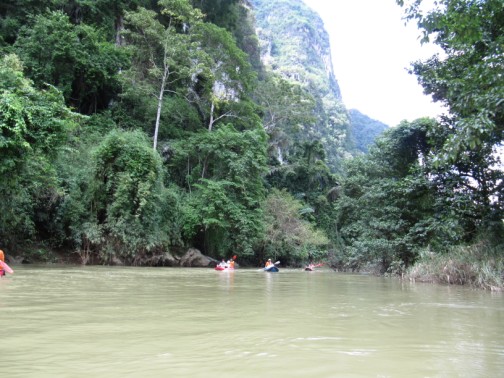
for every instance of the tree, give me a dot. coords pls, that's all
(74, 58)
(162, 54)
(222, 173)
(227, 76)
(469, 78)
(219, 12)
(387, 207)
(128, 211)
(288, 235)
(34, 125)
(286, 109)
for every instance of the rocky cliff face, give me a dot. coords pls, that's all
(295, 44)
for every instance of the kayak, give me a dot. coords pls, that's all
(311, 268)
(7, 268)
(221, 268)
(271, 268)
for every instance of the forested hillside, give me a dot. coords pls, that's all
(364, 130)
(132, 131)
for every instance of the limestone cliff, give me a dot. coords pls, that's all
(295, 44)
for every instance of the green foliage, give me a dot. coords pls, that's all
(102, 14)
(286, 108)
(364, 130)
(397, 201)
(386, 210)
(163, 57)
(222, 170)
(127, 193)
(74, 58)
(222, 218)
(115, 203)
(469, 79)
(31, 120)
(139, 69)
(107, 195)
(179, 118)
(224, 77)
(287, 235)
(305, 174)
(234, 16)
(180, 11)
(34, 124)
(222, 13)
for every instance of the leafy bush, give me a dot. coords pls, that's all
(288, 236)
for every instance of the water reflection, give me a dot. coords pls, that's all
(122, 322)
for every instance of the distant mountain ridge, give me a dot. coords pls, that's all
(365, 130)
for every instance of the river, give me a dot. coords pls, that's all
(74, 321)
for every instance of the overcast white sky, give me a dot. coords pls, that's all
(371, 51)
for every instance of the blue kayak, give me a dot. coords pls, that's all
(271, 268)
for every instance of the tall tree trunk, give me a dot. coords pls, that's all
(160, 104)
(119, 26)
(210, 123)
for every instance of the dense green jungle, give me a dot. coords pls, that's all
(133, 131)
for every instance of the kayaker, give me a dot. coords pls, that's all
(2, 257)
(223, 264)
(231, 264)
(268, 263)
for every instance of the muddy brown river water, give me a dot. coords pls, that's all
(73, 321)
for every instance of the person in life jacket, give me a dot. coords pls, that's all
(2, 257)
(268, 263)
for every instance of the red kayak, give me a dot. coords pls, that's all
(219, 267)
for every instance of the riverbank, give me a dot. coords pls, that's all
(478, 265)
(39, 254)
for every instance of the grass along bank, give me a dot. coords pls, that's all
(478, 265)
